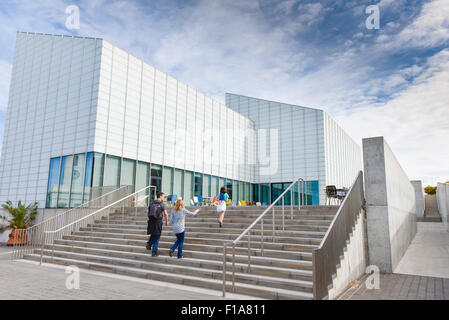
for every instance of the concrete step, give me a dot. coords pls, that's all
(268, 243)
(249, 289)
(312, 226)
(216, 256)
(136, 234)
(267, 281)
(235, 231)
(295, 255)
(190, 262)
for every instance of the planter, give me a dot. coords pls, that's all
(17, 237)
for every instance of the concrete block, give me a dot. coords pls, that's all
(419, 197)
(390, 205)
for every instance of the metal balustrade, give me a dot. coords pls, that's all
(247, 232)
(26, 240)
(326, 257)
(128, 201)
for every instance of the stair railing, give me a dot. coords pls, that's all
(29, 239)
(326, 257)
(118, 206)
(247, 231)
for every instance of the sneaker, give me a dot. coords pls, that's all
(155, 254)
(170, 253)
(148, 247)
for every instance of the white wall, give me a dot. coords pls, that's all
(443, 202)
(145, 114)
(300, 138)
(343, 155)
(51, 110)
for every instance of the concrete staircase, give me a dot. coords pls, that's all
(117, 244)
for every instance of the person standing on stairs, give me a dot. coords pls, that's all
(156, 211)
(221, 208)
(177, 220)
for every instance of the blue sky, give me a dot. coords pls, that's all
(391, 82)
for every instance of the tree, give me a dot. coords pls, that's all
(21, 216)
(430, 190)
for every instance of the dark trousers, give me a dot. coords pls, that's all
(179, 243)
(154, 242)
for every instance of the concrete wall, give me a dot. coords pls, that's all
(443, 202)
(419, 197)
(354, 261)
(390, 205)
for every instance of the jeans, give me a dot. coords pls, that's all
(179, 243)
(154, 242)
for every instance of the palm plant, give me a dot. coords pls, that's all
(21, 216)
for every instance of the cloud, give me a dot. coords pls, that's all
(414, 123)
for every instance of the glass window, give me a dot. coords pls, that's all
(143, 178)
(265, 193)
(287, 197)
(188, 186)
(53, 183)
(112, 171)
(97, 177)
(88, 176)
(241, 190)
(167, 181)
(156, 177)
(276, 190)
(214, 186)
(221, 184)
(206, 185)
(256, 193)
(178, 183)
(198, 190)
(76, 193)
(65, 181)
(128, 173)
(229, 189)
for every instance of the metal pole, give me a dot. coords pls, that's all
(262, 236)
(283, 213)
(272, 236)
(224, 270)
(249, 251)
(233, 267)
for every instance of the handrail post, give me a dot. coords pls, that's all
(291, 200)
(262, 237)
(272, 236)
(224, 269)
(249, 251)
(233, 267)
(283, 212)
(42, 247)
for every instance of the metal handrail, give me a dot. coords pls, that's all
(84, 221)
(33, 235)
(326, 257)
(247, 231)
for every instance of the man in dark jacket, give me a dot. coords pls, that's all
(156, 211)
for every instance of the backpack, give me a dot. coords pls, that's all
(155, 210)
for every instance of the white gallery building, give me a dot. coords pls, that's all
(84, 113)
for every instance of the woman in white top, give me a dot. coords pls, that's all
(177, 220)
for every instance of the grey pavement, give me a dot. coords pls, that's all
(400, 287)
(20, 279)
(428, 254)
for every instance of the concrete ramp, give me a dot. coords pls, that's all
(428, 254)
(431, 213)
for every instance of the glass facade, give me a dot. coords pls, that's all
(72, 177)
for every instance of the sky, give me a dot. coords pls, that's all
(392, 81)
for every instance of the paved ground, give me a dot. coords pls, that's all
(28, 280)
(428, 254)
(401, 287)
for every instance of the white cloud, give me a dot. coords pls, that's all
(415, 123)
